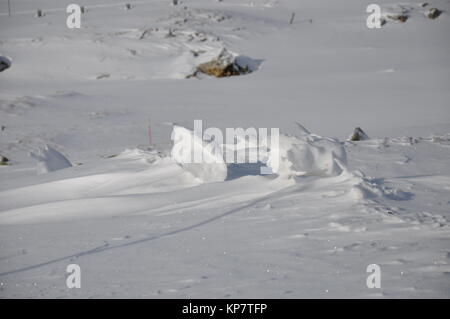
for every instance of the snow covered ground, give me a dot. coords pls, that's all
(79, 109)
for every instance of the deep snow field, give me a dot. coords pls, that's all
(86, 117)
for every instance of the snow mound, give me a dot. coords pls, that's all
(287, 156)
(50, 160)
(201, 158)
(308, 154)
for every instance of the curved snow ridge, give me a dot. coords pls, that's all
(132, 193)
(208, 197)
(131, 172)
(141, 182)
(138, 182)
(217, 196)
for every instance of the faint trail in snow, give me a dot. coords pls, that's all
(107, 246)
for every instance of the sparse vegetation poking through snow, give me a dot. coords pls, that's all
(292, 18)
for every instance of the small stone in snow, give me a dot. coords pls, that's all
(433, 13)
(359, 135)
(3, 160)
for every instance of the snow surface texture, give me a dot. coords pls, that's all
(103, 190)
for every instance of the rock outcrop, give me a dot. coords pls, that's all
(224, 65)
(5, 63)
(359, 135)
(4, 160)
(433, 13)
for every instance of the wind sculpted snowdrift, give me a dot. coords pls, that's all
(146, 182)
(304, 155)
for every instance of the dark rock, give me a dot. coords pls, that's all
(3, 160)
(223, 66)
(5, 63)
(359, 135)
(398, 17)
(433, 13)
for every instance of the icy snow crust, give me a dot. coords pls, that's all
(141, 222)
